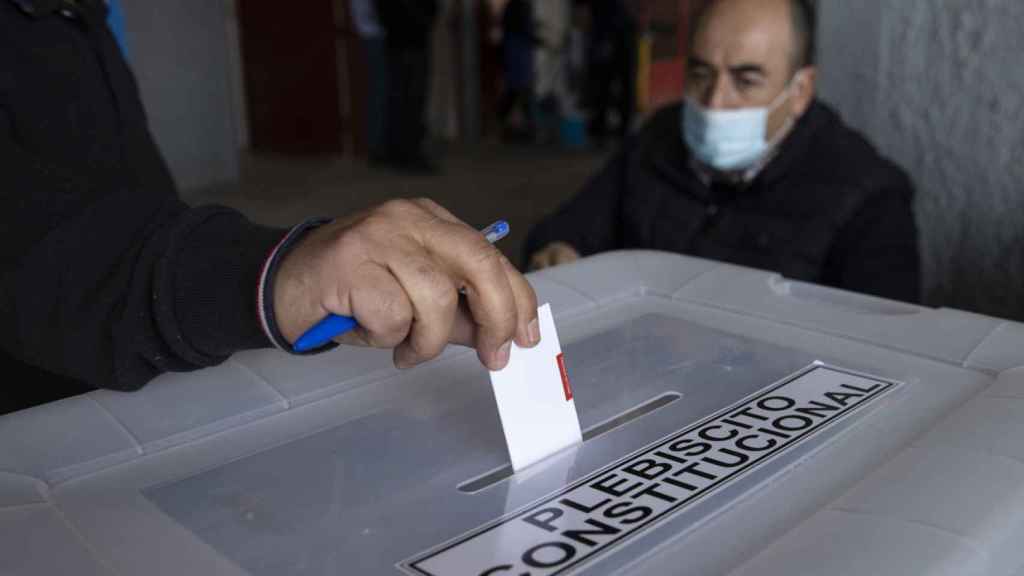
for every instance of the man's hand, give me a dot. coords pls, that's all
(554, 254)
(397, 269)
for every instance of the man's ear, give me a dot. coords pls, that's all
(804, 90)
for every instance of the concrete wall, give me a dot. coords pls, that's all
(939, 87)
(180, 54)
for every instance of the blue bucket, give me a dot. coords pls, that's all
(573, 132)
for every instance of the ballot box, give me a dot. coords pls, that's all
(734, 422)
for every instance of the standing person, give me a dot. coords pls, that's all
(364, 15)
(554, 19)
(612, 67)
(108, 279)
(517, 41)
(408, 25)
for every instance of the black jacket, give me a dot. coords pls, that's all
(827, 209)
(106, 278)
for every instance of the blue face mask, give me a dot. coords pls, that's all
(730, 140)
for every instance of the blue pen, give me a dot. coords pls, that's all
(334, 325)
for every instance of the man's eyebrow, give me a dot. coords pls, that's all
(747, 69)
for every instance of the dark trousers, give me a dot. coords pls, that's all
(379, 94)
(612, 80)
(409, 83)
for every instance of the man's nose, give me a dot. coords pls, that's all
(717, 95)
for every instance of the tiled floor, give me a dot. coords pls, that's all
(480, 185)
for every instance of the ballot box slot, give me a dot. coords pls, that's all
(488, 479)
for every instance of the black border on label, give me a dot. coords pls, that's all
(888, 385)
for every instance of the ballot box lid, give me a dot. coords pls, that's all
(942, 334)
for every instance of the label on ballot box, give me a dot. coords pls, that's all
(591, 516)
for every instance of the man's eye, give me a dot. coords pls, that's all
(747, 83)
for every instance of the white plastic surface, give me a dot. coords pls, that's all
(565, 300)
(946, 335)
(19, 490)
(1001, 350)
(301, 380)
(63, 439)
(1009, 384)
(916, 488)
(614, 274)
(341, 464)
(957, 495)
(35, 540)
(343, 497)
(168, 414)
(845, 544)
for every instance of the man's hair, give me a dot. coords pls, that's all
(804, 24)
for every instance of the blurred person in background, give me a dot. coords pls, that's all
(408, 26)
(611, 68)
(751, 169)
(554, 21)
(518, 38)
(371, 34)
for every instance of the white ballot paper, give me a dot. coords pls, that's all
(535, 399)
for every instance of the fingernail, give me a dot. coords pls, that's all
(504, 353)
(533, 332)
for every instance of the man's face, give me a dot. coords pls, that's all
(741, 56)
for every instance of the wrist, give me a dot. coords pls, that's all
(268, 296)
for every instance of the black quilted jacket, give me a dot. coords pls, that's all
(827, 209)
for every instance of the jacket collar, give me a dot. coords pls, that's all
(672, 159)
(796, 149)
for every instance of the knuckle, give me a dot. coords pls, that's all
(502, 322)
(505, 328)
(393, 318)
(426, 204)
(447, 299)
(370, 230)
(486, 258)
(438, 287)
(399, 207)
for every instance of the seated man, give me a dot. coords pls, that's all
(751, 169)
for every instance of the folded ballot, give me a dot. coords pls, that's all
(534, 399)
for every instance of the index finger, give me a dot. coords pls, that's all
(479, 267)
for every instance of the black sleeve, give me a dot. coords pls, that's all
(590, 222)
(877, 251)
(113, 287)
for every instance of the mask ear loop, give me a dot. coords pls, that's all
(790, 121)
